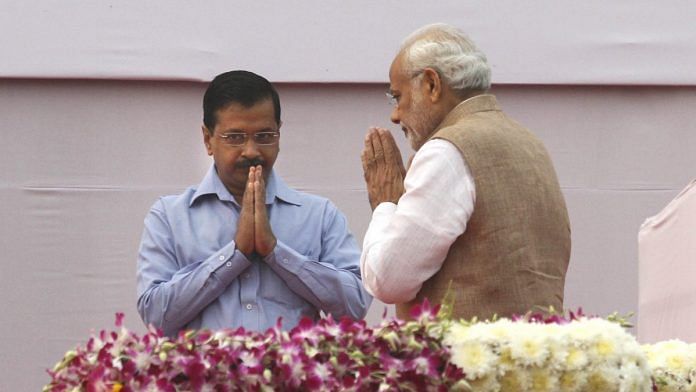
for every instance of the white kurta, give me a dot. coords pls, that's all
(406, 243)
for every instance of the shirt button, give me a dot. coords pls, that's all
(285, 260)
(229, 263)
(246, 276)
(222, 257)
(249, 306)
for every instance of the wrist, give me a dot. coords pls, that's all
(267, 249)
(244, 250)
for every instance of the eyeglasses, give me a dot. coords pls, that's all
(237, 139)
(394, 99)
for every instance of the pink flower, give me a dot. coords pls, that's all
(322, 355)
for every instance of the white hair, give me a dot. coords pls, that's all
(451, 53)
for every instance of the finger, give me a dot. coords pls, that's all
(252, 174)
(369, 151)
(250, 185)
(259, 176)
(391, 150)
(368, 154)
(366, 162)
(261, 223)
(264, 240)
(245, 226)
(259, 193)
(248, 198)
(377, 147)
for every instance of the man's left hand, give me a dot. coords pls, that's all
(383, 168)
(264, 240)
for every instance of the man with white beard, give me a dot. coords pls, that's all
(479, 214)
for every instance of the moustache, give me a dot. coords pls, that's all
(247, 163)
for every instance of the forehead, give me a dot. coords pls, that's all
(237, 117)
(396, 71)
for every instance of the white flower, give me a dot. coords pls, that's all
(576, 358)
(674, 363)
(634, 378)
(457, 333)
(586, 354)
(142, 360)
(249, 360)
(528, 347)
(476, 359)
(501, 329)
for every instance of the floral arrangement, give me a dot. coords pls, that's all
(556, 354)
(673, 365)
(328, 355)
(430, 353)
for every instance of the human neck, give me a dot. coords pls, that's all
(237, 194)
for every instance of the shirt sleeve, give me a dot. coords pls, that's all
(170, 296)
(406, 243)
(332, 283)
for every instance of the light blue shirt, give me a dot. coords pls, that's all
(190, 275)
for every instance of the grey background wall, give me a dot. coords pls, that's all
(83, 161)
(85, 153)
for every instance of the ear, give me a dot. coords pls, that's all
(206, 139)
(432, 84)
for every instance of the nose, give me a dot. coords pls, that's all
(250, 150)
(395, 115)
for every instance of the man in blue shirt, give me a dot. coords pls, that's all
(242, 248)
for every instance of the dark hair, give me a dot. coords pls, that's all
(242, 87)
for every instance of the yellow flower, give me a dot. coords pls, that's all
(572, 381)
(543, 380)
(488, 383)
(676, 362)
(505, 360)
(603, 349)
(515, 380)
(602, 380)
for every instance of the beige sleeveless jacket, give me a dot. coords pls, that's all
(515, 251)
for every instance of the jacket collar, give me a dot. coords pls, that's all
(478, 103)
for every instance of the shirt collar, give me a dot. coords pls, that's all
(275, 188)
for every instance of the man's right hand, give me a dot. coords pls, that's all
(245, 228)
(384, 171)
(264, 240)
